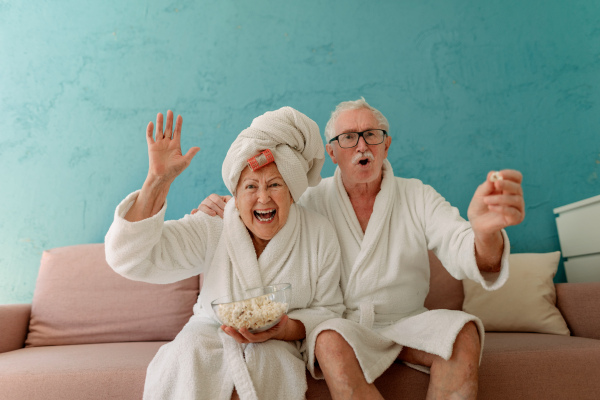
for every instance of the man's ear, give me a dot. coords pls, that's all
(387, 143)
(329, 149)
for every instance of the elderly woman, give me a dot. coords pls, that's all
(263, 239)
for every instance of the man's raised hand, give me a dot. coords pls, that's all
(498, 202)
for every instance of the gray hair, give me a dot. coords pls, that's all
(353, 105)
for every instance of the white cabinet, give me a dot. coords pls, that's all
(578, 227)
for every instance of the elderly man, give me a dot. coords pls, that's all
(386, 225)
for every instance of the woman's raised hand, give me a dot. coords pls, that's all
(166, 163)
(164, 150)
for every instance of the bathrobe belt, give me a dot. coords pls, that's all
(365, 315)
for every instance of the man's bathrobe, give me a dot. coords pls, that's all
(203, 362)
(385, 271)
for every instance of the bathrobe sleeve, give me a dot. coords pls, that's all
(156, 251)
(325, 260)
(452, 239)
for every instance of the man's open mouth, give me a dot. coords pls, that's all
(265, 215)
(364, 161)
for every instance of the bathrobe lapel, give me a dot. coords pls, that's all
(240, 249)
(362, 252)
(248, 272)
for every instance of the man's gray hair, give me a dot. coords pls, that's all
(353, 105)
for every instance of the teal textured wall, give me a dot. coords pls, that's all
(468, 86)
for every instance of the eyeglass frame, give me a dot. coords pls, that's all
(360, 135)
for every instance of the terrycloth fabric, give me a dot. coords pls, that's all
(294, 141)
(202, 361)
(385, 271)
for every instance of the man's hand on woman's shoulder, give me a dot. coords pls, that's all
(213, 205)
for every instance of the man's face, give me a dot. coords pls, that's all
(355, 165)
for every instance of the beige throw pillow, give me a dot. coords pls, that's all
(525, 303)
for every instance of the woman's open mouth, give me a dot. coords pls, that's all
(265, 215)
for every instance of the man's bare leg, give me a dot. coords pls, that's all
(341, 369)
(456, 378)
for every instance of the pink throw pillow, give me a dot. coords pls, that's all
(79, 299)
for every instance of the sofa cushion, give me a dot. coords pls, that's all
(79, 299)
(526, 302)
(525, 366)
(86, 371)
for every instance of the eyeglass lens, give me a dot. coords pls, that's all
(373, 136)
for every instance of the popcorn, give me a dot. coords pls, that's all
(496, 176)
(252, 314)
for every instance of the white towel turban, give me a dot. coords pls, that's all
(293, 139)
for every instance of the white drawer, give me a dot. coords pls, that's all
(578, 227)
(583, 268)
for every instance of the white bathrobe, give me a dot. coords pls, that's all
(203, 362)
(385, 271)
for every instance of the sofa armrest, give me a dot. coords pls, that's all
(579, 304)
(14, 320)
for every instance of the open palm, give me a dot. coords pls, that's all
(164, 151)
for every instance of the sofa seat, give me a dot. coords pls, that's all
(46, 352)
(517, 365)
(85, 371)
(534, 365)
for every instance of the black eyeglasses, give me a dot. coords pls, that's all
(350, 139)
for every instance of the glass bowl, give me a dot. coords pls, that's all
(258, 310)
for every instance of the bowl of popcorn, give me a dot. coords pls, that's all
(257, 310)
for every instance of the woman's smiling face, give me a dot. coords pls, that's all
(263, 201)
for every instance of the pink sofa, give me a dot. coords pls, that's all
(90, 334)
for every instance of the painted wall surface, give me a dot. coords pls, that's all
(467, 86)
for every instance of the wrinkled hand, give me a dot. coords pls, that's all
(164, 151)
(496, 205)
(244, 336)
(213, 205)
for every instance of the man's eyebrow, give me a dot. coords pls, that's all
(357, 131)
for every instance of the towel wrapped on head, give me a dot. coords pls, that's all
(294, 141)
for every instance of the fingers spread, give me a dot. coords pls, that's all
(149, 132)
(178, 125)
(169, 127)
(159, 127)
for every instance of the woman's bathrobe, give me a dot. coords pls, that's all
(385, 271)
(203, 362)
